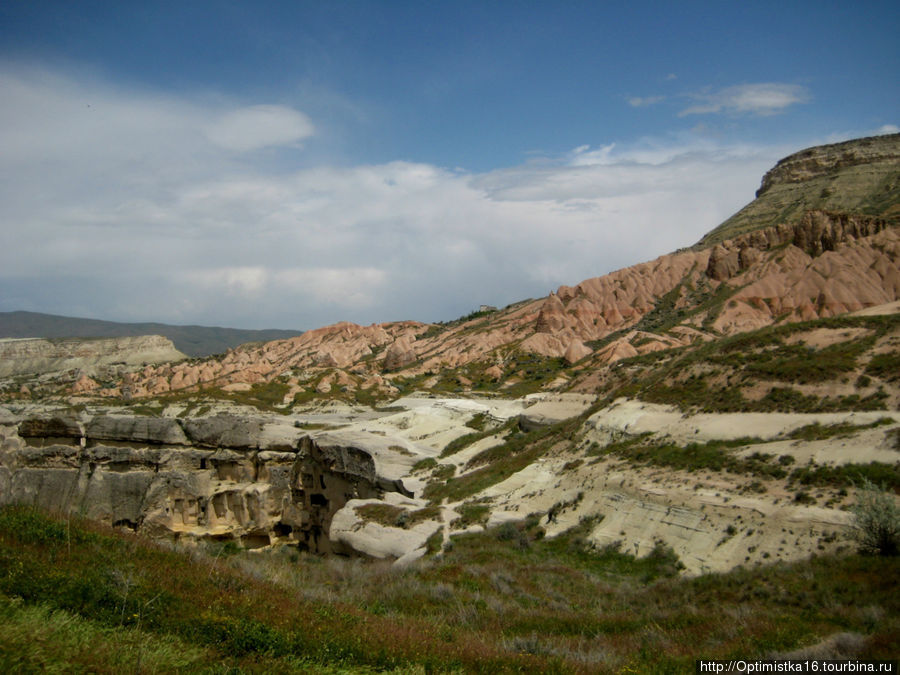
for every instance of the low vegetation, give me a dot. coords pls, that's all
(714, 455)
(767, 370)
(499, 462)
(721, 455)
(876, 521)
(77, 596)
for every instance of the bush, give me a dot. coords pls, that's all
(876, 521)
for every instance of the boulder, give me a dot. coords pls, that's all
(225, 431)
(155, 430)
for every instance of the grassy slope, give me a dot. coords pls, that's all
(79, 597)
(869, 187)
(869, 190)
(729, 374)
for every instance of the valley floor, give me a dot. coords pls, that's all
(78, 597)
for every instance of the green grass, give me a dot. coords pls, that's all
(501, 461)
(847, 475)
(466, 440)
(797, 362)
(817, 432)
(396, 516)
(383, 514)
(885, 366)
(39, 638)
(77, 597)
(714, 455)
(684, 376)
(718, 455)
(471, 513)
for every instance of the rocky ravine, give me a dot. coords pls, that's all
(264, 481)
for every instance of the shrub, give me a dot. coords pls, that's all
(876, 521)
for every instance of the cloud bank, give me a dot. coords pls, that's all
(134, 205)
(766, 98)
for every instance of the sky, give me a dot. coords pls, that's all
(262, 164)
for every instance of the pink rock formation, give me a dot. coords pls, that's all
(84, 385)
(827, 264)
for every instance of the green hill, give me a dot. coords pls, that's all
(860, 176)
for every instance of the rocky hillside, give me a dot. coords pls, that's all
(717, 406)
(716, 489)
(768, 265)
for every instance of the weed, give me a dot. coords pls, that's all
(816, 431)
(471, 513)
(876, 520)
(713, 455)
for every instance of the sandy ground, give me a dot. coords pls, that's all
(713, 521)
(889, 308)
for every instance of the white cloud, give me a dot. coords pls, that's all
(348, 287)
(260, 126)
(643, 101)
(766, 98)
(238, 282)
(887, 129)
(143, 217)
(584, 156)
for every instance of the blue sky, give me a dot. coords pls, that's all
(292, 164)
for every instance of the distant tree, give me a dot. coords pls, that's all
(876, 520)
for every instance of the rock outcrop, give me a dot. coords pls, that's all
(855, 177)
(399, 354)
(827, 159)
(222, 478)
(85, 356)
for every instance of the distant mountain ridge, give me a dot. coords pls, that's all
(194, 341)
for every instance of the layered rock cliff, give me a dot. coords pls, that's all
(860, 177)
(248, 480)
(89, 356)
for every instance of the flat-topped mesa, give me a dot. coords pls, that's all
(825, 159)
(40, 355)
(860, 177)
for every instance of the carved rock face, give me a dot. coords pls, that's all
(219, 478)
(323, 479)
